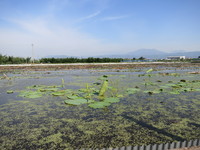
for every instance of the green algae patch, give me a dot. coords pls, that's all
(55, 138)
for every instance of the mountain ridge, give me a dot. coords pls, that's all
(146, 53)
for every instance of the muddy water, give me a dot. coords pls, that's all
(143, 117)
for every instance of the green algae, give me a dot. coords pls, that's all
(135, 119)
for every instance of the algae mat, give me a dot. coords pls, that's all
(98, 108)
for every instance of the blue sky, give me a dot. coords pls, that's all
(97, 27)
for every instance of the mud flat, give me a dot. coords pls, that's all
(136, 65)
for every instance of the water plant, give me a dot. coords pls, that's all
(103, 88)
(10, 91)
(75, 117)
(101, 94)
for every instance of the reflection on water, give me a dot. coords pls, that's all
(139, 118)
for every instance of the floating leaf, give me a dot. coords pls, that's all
(112, 100)
(119, 96)
(31, 94)
(174, 92)
(174, 74)
(74, 97)
(170, 84)
(99, 104)
(48, 89)
(76, 102)
(198, 90)
(59, 93)
(10, 92)
(149, 83)
(132, 90)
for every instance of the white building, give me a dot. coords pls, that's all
(175, 57)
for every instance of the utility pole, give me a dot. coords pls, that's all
(32, 53)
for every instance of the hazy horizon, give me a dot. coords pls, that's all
(97, 27)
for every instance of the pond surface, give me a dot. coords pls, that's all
(98, 108)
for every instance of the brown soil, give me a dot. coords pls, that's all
(39, 67)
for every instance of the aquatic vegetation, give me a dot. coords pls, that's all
(112, 100)
(132, 90)
(150, 70)
(100, 104)
(10, 92)
(99, 94)
(77, 101)
(59, 93)
(103, 88)
(31, 94)
(74, 116)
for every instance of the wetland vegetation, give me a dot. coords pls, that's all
(70, 109)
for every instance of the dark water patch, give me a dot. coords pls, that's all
(150, 127)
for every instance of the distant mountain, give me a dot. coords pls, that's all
(58, 56)
(155, 54)
(146, 53)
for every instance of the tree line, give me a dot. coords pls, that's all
(4, 59)
(80, 60)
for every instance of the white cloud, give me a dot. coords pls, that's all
(50, 40)
(114, 18)
(89, 16)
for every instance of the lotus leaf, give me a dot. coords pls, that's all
(99, 104)
(112, 100)
(198, 90)
(74, 97)
(59, 93)
(174, 92)
(132, 90)
(76, 102)
(48, 89)
(31, 94)
(10, 92)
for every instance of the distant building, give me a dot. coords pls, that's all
(175, 57)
